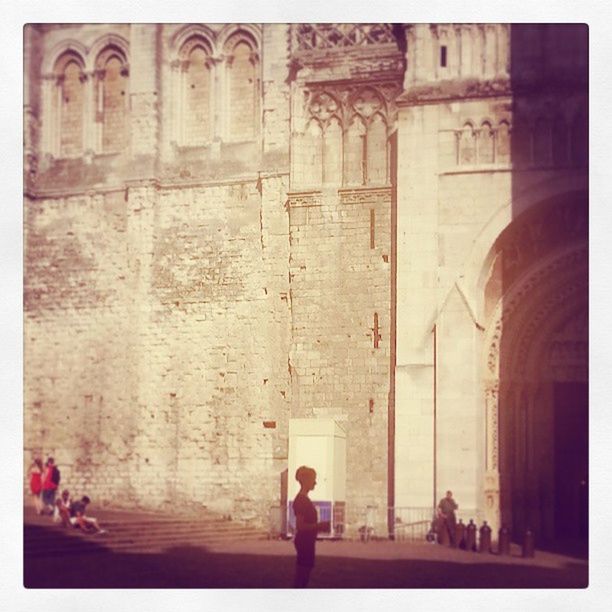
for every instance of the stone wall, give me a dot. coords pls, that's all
(156, 305)
(340, 305)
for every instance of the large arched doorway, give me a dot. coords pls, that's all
(536, 372)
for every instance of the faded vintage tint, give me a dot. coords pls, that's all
(230, 226)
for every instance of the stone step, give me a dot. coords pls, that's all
(132, 532)
(151, 530)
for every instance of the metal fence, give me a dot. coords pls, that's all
(409, 523)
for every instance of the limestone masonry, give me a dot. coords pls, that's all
(230, 226)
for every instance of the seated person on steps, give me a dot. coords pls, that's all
(79, 519)
(61, 512)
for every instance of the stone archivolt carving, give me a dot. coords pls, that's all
(513, 299)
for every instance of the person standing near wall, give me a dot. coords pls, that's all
(446, 508)
(306, 526)
(50, 482)
(36, 473)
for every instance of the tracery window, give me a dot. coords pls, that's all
(111, 100)
(367, 144)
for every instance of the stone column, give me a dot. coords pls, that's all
(491, 479)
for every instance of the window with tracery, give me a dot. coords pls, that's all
(345, 141)
(112, 100)
(367, 144)
(242, 74)
(68, 105)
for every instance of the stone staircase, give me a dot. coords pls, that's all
(132, 532)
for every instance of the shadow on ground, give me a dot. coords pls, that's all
(89, 564)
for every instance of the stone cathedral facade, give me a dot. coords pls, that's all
(230, 226)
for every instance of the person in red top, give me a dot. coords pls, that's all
(306, 526)
(50, 482)
(36, 472)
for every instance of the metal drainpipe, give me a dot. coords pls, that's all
(435, 399)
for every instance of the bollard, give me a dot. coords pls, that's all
(528, 544)
(470, 536)
(485, 538)
(504, 541)
(460, 534)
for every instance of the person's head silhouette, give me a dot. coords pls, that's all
(307, 478)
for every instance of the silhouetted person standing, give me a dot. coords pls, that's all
(447, 507)
(306, 526)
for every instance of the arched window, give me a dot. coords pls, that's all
(68, 106)
(502, 143)
(332, 153)
(377, 150)
(486, 144)
(367, 144)
(355, 152)
(313, 141)
(242, 90)
(112, 100)
(467, 145)
(196, 79)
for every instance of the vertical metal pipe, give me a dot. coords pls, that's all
(393, 343)
(435, 406)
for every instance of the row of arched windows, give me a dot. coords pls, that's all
(214, 94)
(86, 110)
(344, 146)
(544, 142)
(216, 90)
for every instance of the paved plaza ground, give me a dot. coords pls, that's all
(262, 563)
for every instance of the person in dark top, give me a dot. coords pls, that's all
(446, 511)
(79, 519)
(306, 526)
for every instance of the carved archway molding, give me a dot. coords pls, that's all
(472, 278)
(524, 318)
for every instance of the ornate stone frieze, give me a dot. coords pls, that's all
(318, 36)
(365, 195)
(301, 200)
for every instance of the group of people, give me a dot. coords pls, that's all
(44, 484)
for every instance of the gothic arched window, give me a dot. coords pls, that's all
(502, 142)
(367, 145)
(69, 105)
(377, 150)
(242, 87)
(196, 85)
(313, 157)
(112, 100)
(467, 145)
(486, 144)
(332, 152)
(355, 152)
